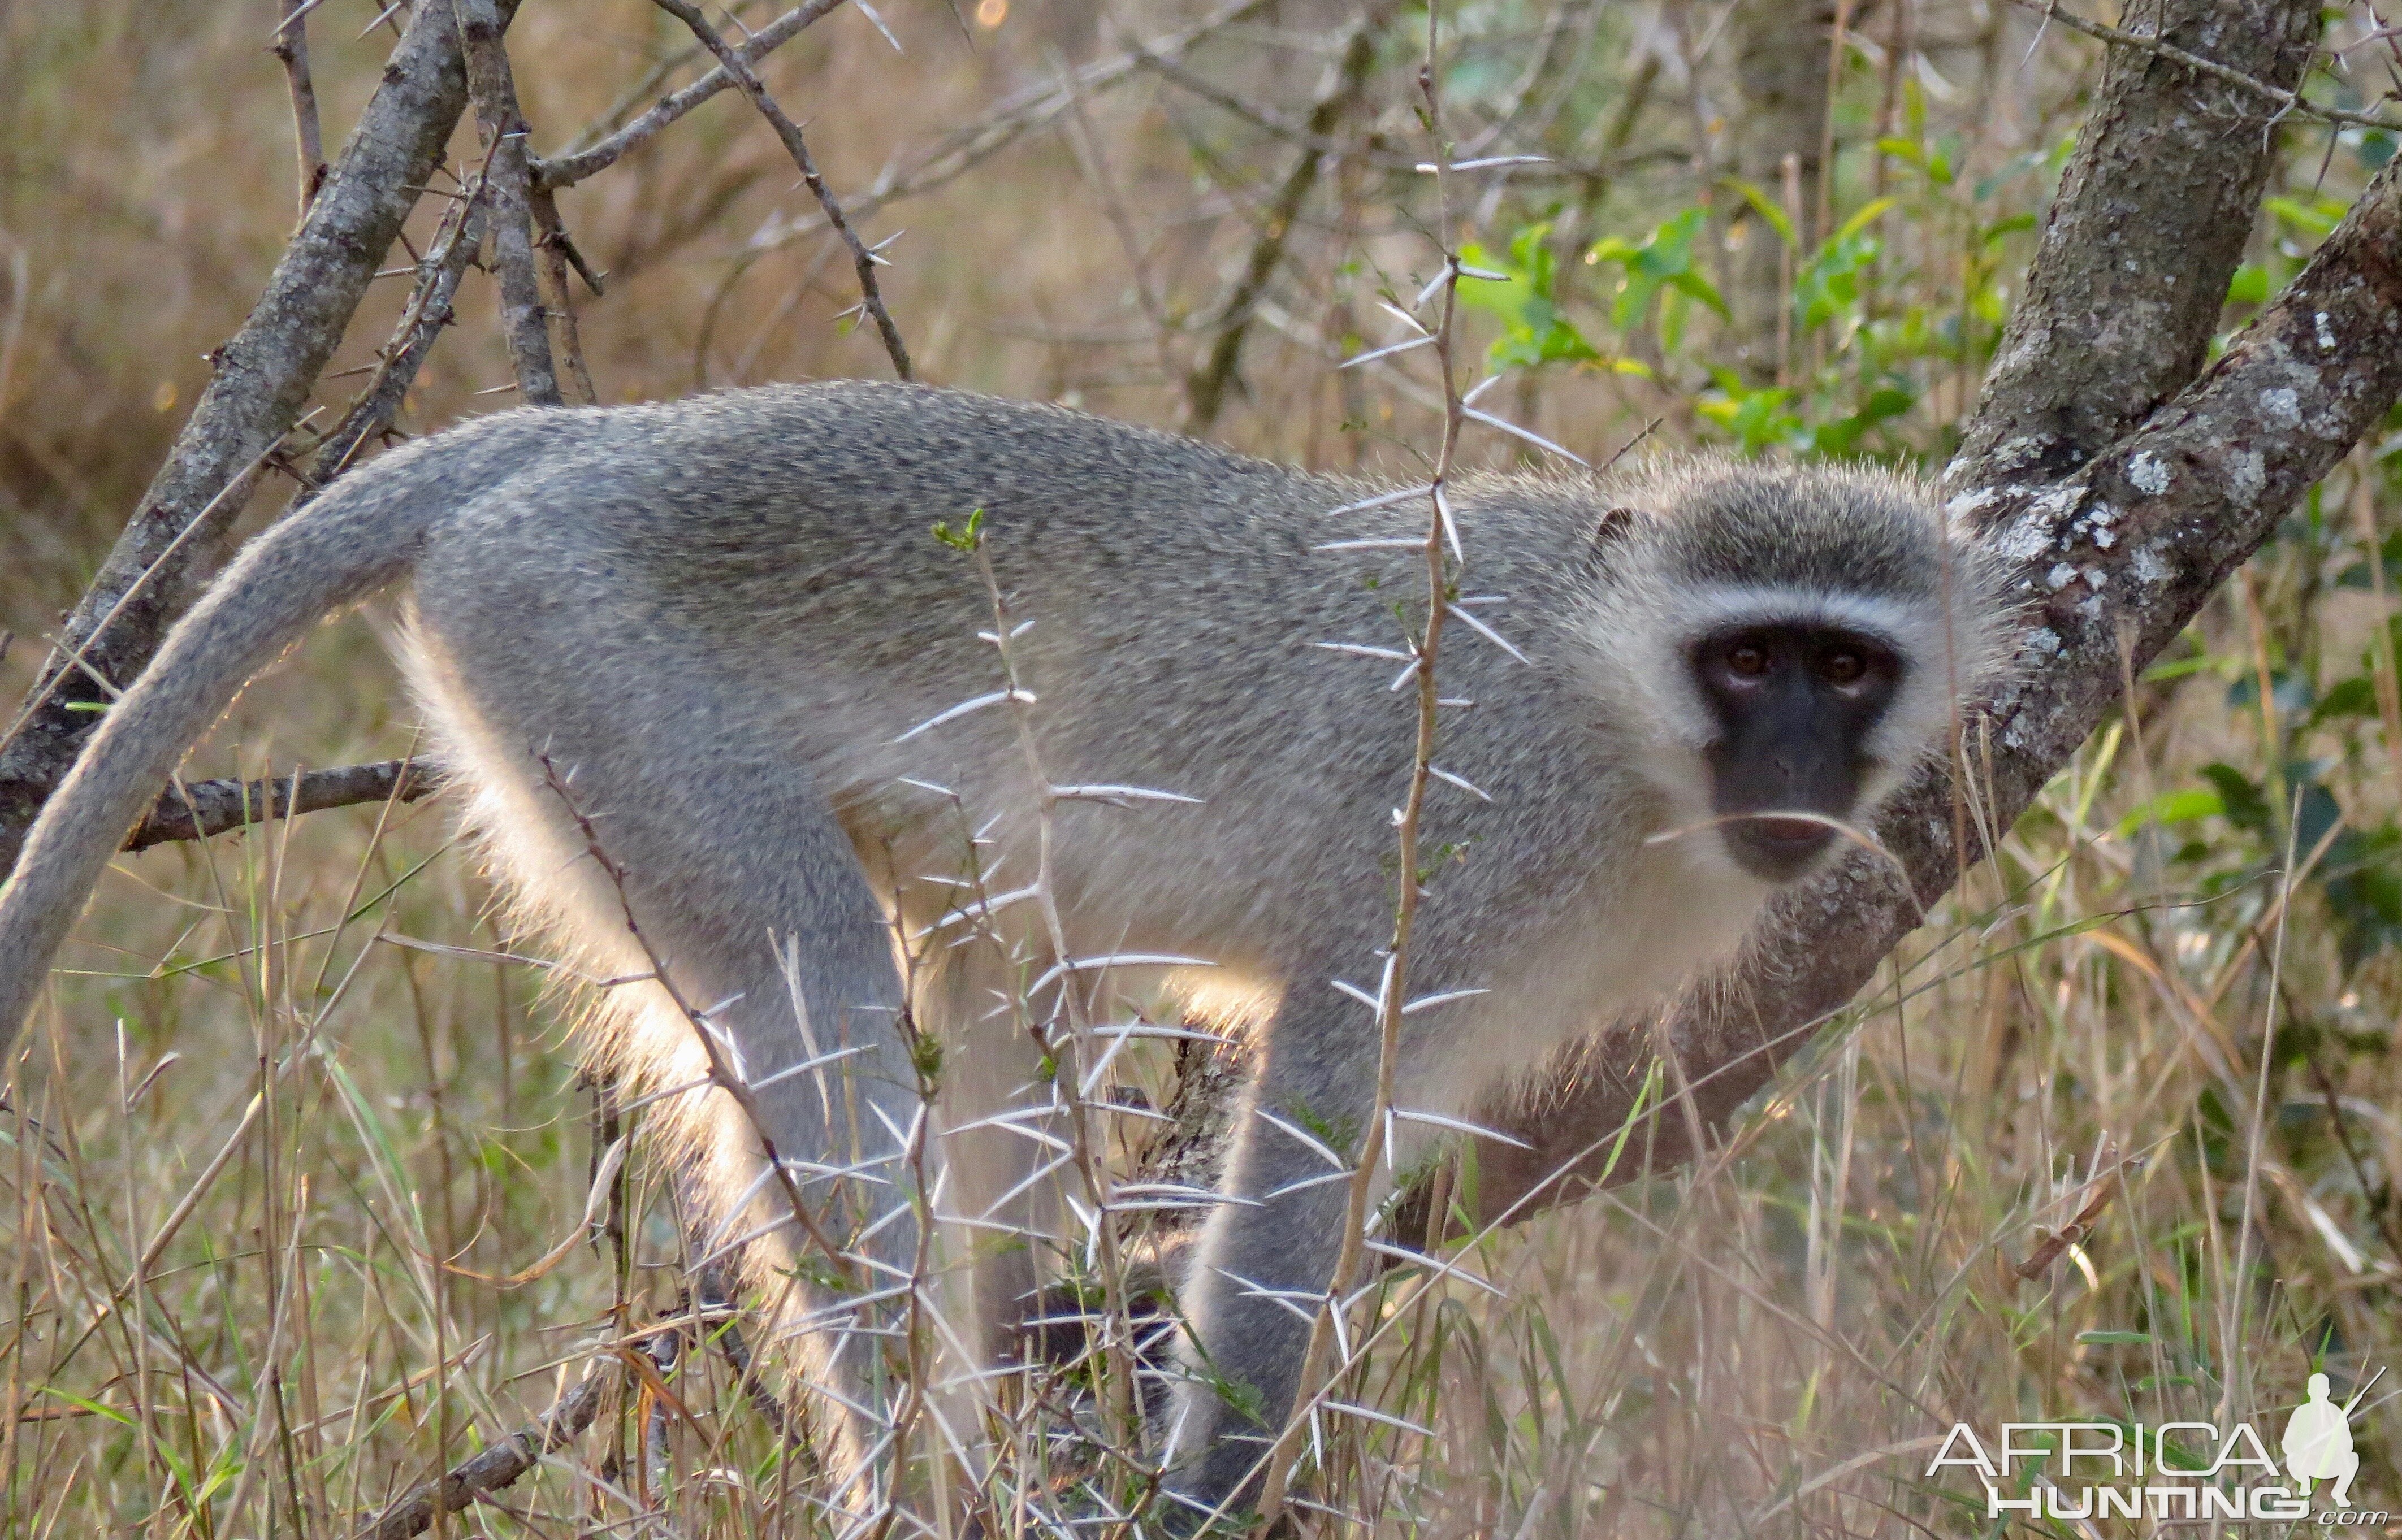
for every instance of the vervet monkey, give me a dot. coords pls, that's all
(723, 623)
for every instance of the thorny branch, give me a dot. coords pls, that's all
(422, 321)
(864, 260)
(292, 47)
(963, 149)
(559, 255)
(1442, 562)
(1070, 1049)
(722, 1073)
(574, 166)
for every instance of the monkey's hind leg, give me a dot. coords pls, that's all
(744, 891)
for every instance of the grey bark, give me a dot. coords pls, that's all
(263, 377)
(2150, 220)
(501, 125)
(201, 808)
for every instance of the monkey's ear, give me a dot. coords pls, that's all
(1615, 526)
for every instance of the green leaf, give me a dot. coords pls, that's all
(2318, 217)
(2178, 668)
(2354, 698)
(1870, 213)
(2011, 225)
(1664, 258)
(2171, 807)
(2242, 801)
(1761, 205)
(1533, 331)
(1907, 150)
(1943, 158)
(966, 539)
(1694, 285)
(2249, 286)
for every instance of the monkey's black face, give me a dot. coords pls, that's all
(1795, 705)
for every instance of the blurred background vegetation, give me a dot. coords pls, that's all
(1762, 224)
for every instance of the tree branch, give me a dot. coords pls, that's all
(2129, 543)
(292, 47)
(422, 321)
(2287, 99)
(499, 1465)
(2131, 272)
(196, 810)
(1205, 391)
(575, 165)
(263, 379)
(501, 125)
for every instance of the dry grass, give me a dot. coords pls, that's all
(324, 1124)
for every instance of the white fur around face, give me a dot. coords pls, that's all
(1639, 662)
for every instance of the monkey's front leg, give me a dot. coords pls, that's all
(1266, 1258)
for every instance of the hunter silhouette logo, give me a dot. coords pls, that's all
(2185, 1472)
(2318, 1441)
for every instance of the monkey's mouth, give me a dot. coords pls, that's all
(1776, 847)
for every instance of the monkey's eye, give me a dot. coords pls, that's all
(1845, 668)
(1746, 661)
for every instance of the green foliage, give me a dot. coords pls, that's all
(967, 538)
(1533, 330)
(1868, 331)
(1661, 263)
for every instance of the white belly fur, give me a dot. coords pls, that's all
(1684, 912)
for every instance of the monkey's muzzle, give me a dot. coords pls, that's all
(1776, 849)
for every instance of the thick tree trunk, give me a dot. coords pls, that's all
(1780, 78)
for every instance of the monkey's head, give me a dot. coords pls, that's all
(1788, 644)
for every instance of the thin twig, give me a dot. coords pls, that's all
(422, 321)
(574, 166)
(961, 150)
(292, 47)
(2287, 101)
(862, 259)
(1315, 1383)
(722, 1073)
(1205, 393)
(558, 254)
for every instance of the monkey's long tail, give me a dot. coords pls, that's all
(364, 533)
